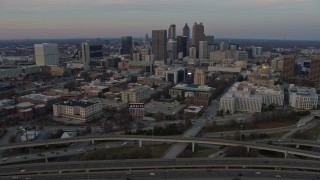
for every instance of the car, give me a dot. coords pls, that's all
(65, 150)
(124, 143)
(18, 157)
(258, 173)
(22, 170)
(278, 176)
(15, 177)
(57, 153)
(152, 174)
(4, 159)
(79, 150)
(25, 157)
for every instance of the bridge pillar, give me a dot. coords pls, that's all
(285, 155)
(140, 143)
(227, 167)
(248, 149)
(297, 146)
(192, 146)
(92, 142)
(46, 160)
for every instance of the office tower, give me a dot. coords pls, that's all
(182, 45)
(233, 47)
(223, 46)
(210, 40)
(91, 51)
(289, 63)
(172, 32)
(211, 48)
(241, 55)
(176, 75)
(197, 35)
(203, 50)
(193, 52)
(186, 31)
(315, 68)
(159, 45)
(256, 51)
(126, 47)
(200, 77)
(46, 54)
(146, 39)
(172, 50)
(144, 51)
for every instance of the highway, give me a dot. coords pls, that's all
(60, 152)
(192, 140)
(175, 149)
(151, 164)
(174, 174)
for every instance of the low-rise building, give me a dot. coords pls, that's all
(188, 90)
(136, 94)
(168, 109)
(193, 111)
(81, 110)
(302, 98)
(114, 104)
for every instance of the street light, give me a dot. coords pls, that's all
(241, 126)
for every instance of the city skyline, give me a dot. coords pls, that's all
(252, 19)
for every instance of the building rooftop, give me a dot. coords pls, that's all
(40, 97)
(24, 104)
(193, 109)
(163, 107)
(193, 87)
(82, 104)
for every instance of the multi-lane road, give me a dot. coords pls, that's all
(151, 164)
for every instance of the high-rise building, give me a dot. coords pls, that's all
(146, 38)
(144, 51)
(186, 31)
(256, 51)
(182, 45)
(159, 45)
(210, 40)
(315, 68)
(200, 77)
(203, 50)
(224, 46)
(172, 50)
(289, 63)
(172, 32)
(126, 47)
(91, 51)
(193, 52)
(197, 35)
(46, 54)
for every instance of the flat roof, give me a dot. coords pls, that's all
(83, 104)
(163, 107)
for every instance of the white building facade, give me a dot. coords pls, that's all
(46, 54)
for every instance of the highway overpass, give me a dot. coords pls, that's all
(151, 164)
(172, 139)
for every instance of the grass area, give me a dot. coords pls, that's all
(129, 152)
(204, 152)
(48, 122)
(277, 135)
(249, 126)
(271, 154)
(314, 132)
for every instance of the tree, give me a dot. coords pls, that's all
(228, 112)
(70, 85)
(85, 76)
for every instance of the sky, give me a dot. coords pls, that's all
(254, 19)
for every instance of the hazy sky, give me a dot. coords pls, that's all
(272, 19)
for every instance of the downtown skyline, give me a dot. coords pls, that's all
(252, 19)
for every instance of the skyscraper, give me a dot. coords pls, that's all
(172, 32)
(126, 47)
(46, 54)
(182, 45)
(186, 31)
(159, 45)
(289, 63)
(197, 35)
(203, 50)
(315, 68)
(193, 52)
(172, 50)
(91, 51)
(210, 40)
(200, 77)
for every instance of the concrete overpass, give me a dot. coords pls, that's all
(172, 139)
(151, 164)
